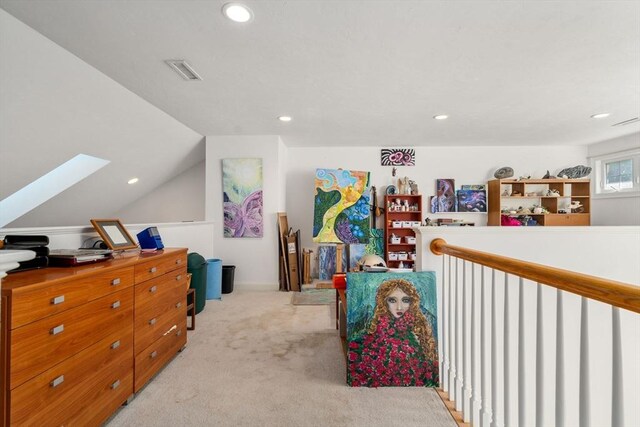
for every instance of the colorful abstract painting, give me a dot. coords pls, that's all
(242, 197)
(341, 206)
(445, 195)
(398, 157)
(356, 252)
(392, 330)
(472, 201)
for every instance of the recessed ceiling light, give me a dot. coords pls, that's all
(237, 12)
(600, 115)
(132, 181)
(284, 118)
(441, 117)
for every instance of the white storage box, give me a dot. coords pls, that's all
(393, 256)
(407, 224)
(411, 240)
(396, 224)
(415, 223)
(395, 240)
(403, 256)
(412, 255)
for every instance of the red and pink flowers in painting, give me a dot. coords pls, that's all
(390, 356)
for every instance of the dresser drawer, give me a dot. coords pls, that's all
(53, 396)
(153, 324)
(155, 356)
(160, 265)
(567, 219)
(43, 344)
(33, 303)
(152, 291)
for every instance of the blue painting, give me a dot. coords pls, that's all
(472, 201)
(327, 261)
(392, 330)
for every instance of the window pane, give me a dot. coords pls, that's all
(626, 167)
(626, 181)
(613, 168)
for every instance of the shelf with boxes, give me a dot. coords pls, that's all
(545, 202)
(402, 213)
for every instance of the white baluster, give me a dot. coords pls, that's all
(496, 419)
(485, 413)
(521, 367)
(458, 363)
(560, 409)
(465, 349)
(539, 359)
(444, 365)
(476, 357)
(506, 391)
(617, 407)
(452, 334)
(585, 400)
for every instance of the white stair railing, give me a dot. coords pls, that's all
(529, 345)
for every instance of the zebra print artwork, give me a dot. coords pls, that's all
(398, 157)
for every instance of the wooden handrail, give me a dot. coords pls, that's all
(618, 294)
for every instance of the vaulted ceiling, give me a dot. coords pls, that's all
(368, 72)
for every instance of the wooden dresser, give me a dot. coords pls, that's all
(77, 342)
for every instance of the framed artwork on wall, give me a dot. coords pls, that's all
(398, 157)
(242, 197)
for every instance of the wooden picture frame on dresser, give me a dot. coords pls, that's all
(78, 342)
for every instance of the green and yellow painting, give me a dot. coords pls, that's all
(341, 206)
(242, 197)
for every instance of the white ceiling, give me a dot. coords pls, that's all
(368, 72)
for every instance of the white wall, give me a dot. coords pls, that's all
(256, 260)
(615, 210)
(54, 106)
(467, 165)
(182, 198)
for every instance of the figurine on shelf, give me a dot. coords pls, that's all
(414, 187)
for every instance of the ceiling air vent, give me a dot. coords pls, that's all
(185, 70)
(627, 122)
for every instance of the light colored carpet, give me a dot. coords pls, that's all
(257, 360)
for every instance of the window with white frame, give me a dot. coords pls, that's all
(617, 174)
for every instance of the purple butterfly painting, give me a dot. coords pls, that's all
(242, 186)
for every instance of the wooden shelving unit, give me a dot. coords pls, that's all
(502, 196)
(399, 223)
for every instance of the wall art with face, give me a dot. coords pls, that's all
(392, 330)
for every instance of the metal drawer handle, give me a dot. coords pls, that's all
(153, 354)
(115, 282)
(178, 261)
(115, 385)
(153, 289)
(57, 300)
(56, 382)
(153, 270)
(152, 321)
(179, 276)
(115, 345)
(115, 304)
(178, 305)
(57, 329)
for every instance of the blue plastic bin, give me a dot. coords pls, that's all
(214, 278)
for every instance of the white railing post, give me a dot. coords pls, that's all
(485, 414)
(466, 379)
(617, 406)
(458, 358)
(560, 389)
(585, 395)
(521, 368)
(496, 418)
(453, 312)
(539, 359)
(506, 362)
(476, 386)
(444, 363)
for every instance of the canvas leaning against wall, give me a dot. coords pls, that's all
(341, 206)
(392, 330)
(242, 197)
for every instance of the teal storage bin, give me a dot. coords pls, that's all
(214, 278)
(197, 266)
